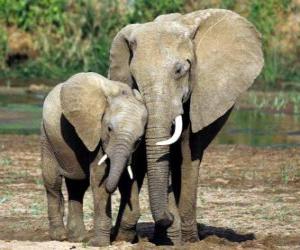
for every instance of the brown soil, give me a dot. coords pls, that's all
(248, 198)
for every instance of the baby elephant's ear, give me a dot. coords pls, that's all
(83, 104)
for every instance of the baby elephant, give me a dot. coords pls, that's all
(87, 119)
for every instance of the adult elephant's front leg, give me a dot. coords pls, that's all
(192, 149)
(185, 182)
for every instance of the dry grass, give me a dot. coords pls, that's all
(243, 193)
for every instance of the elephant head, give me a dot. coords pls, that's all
(102, 109)
(207, 57)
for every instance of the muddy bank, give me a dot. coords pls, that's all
(247, 198)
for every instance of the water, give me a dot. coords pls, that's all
(20, 114)
(257, 128)
(248, 127)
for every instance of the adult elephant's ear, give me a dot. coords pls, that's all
(121, 54)
(83, 103)
(228, 59)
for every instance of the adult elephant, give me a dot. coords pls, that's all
(192, 66)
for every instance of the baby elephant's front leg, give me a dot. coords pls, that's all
(102, 206)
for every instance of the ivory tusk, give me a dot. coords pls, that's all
(103, 159)
(130, 172)
(176, 135)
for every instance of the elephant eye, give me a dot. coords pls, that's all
(109, 128)
(178, 70)
(181, 68)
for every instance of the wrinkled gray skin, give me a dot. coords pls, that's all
(84, 118)
(195, 65)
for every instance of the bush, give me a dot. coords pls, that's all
(30, 14)
(146, 10)
(3, 49)
(265, 16)
(71, 36)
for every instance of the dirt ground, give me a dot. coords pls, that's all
(248, 198)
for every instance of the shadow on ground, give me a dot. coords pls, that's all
(146, 229)
(36, 230)
(227, 233)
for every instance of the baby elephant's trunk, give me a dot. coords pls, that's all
(117, 165)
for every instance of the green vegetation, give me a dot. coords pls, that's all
(146, 10)
(56, 38)
(289, 173)
(266, 16)
(277, 101)
(6, 161)
(70, 37)
(36, 209)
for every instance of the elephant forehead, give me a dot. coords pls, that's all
(129, 121)
(155, 42)
(125, 106)
(158, 31)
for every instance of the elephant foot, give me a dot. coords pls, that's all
(190, 236)
(128, 235)
(77, 235)
(58, 233)
(99, 241)
(163, 236)
(75, 226)
(190, 232)
(76, 230)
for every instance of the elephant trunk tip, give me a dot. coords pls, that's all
(110, 188)
(165, 220)
(117, 166)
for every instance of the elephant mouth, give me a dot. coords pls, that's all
(176, 134)
(105, 157)
(112, 182)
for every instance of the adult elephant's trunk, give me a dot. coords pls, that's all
(158, 129)
(117, 165)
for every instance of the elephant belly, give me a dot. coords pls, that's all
(70, 167)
